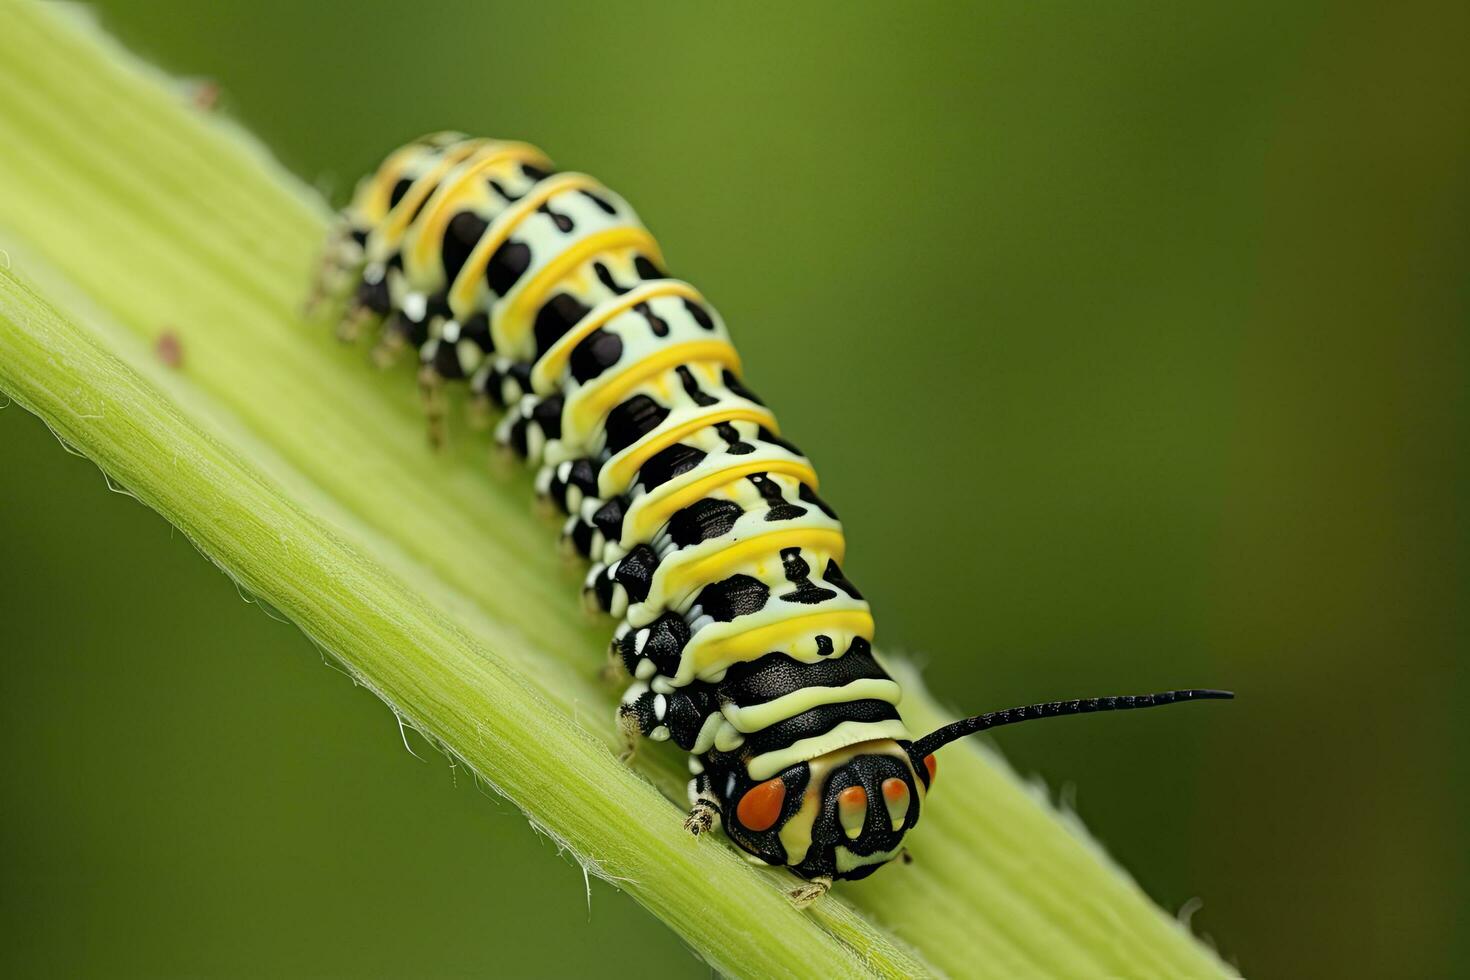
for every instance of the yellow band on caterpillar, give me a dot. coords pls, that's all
(720, 564)
(652, 512)
(513, 322)
(431, 223)
(749, 644)
(549, 366)
(618, 472)
(466, 285)
(600, 400)
(407, 208)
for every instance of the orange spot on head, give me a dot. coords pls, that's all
(932, 766)
(760, 807)
(852, 810)
(896, 796)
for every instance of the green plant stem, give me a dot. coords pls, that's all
(303, 473)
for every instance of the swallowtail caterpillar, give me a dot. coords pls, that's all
(744, 641)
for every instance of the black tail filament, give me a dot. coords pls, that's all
(1056, 709)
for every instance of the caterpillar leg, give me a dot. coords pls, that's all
(319, 290)
(479, 411)
(340, 257)
(390, 347)
(502, 381)
(808, 892)
(640, 715)
(431, 394)
(529, 425)
(613, 671)
(355, 323)
(630, 732)
(569, 487)
(367, 305)
(704, 810)
(679, 715)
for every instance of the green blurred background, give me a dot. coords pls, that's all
(1131, 340)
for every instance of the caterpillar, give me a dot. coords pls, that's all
(743, 640)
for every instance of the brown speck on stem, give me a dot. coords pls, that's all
(169, 348)
(206, 95)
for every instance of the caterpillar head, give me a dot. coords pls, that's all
(841, 815)
(844, 814)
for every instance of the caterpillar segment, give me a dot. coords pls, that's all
(744, 641)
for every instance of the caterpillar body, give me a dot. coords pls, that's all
(744, 641)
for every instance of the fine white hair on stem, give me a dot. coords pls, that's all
(64, 444)
(402, 734)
